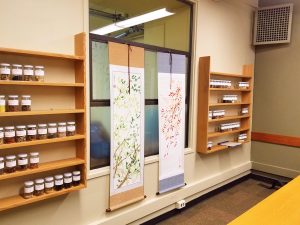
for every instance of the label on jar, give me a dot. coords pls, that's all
(59, 182)
(1, 134)
(26, 102)
(21, 133)
(68, 180)
(22, 162)
(10, 134)
(13, 102)
(76, 178)
(31, 132)
(28, 190)
(2, 165)
(34, 160)
(11, 164)
(17, 72)
(49, 184)
(52, 130)
(39, 187)
(39, 73)
(28, 72)
(2, 102)
(71, 128)
(5, 71)
(62, 129)
(42, 131)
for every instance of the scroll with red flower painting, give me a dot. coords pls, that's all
(171, 105)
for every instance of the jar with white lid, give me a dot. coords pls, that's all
(31, 132)
(42, 132)
(49, 184)
(52, 130)
(26, 103)
(76, 178)
(39, 73)
(5, 71)
(20, 133)
(62, 129)
(28, 189)
(1, 136)
(28, 73)
(10, 163)
(22, 161)
(71, 128)
(17, 72)
(39, 187)
(67, 180)
(2, 103)
(9, 135)
(34, 160)
(58, 182)
(13, 103)
(1, 165)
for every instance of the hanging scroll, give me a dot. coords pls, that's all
(127, 125)
(171, 103)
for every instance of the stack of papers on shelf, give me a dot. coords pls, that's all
(230, 144)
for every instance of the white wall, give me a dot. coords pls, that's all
(223, 31)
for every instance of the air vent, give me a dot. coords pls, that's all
(273, 24)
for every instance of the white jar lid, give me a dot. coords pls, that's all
(28, 66)
(67, 174)
(16, 65)
(62, 124)
(13, 96)
(4, 64)
(76, 173)
(42, 125)
(39, 67)
(1, 158)
(10, 157)
(48, 179)
(39, 181)
(52, 124)
(58, 177)
(28, 183)
(1, 128)
(23, 155)
(71, 123)
(9, 128)
(2, 96)
(34, 154)
(31, 126)
(26, 96)
(21, 127)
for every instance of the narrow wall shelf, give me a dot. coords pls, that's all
(228, 104)
(218, 148)
(219, 134)
(34, 83)
(42, 112)
(228, 89)
(226, 118)
(231, 75)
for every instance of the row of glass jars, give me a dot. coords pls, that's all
(12, 104)
(21, 73)
(50, 184)
(33, 132)
(228, 84)
(23, 161)
(228, 126)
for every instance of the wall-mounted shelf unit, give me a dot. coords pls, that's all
(67, 102)
(208, 100)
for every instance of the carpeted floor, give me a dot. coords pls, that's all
(222, 208)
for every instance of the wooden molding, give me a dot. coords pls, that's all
(276, 139)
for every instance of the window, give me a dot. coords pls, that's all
(100, 93)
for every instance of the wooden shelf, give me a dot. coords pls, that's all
(43, 167)
(228, 104)
(42, 112)
(41, 142)
(228, 118)
(219, 134)
(229, 89)
(35, 83)
(218, 148)
(16, 201)
(40, 54)
(230, 75)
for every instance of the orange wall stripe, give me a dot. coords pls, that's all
(276, 139)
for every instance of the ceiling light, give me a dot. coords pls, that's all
(157, 14)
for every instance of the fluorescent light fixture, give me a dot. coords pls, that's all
(157, 14)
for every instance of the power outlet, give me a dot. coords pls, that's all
(180, 204)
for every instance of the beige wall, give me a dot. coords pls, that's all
(276, 108)
(223, 31)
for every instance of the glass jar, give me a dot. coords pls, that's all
(67, 180)
(2, 103)
(39, 187)
(52, 130)
(28, 189)
(34, 160)
(76, 178)
(71, 129)
(9, 135)
(31, 132)
(13, 103)
(58, 182)
(10, 163)
(28, 73)
(42, 131)
(49, 184)
(39, 73)
(62, 130)
(1, 165)
(1, 136)
(20, 133)
(5, 71)
(16, 72)
(26, 103)
(22, 161)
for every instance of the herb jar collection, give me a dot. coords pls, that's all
(12, 104)
(228, 84)
(229, 99)
(51, 184)
(16, 72)
(228, 126)
(242, 137)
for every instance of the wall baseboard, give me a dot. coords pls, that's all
(285, 172)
